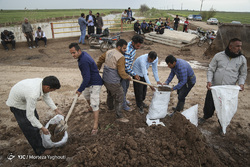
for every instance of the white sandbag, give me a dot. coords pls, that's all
(154, 122)
(47, 142)
(192, 114)
(159, 105)
(225, 102)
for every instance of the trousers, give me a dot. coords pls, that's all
(31, 133)
(140, 91)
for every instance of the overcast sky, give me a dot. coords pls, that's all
(218, 5)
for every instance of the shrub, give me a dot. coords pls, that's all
(144, 8)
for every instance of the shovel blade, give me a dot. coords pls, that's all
(62, 126)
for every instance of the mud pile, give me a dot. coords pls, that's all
(179, 143)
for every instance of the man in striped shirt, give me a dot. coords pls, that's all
(133, 45)
(186, 77)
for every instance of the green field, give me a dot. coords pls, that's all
(224, 17)
(10, 17)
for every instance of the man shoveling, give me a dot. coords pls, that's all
(22, 102)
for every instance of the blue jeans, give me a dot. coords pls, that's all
(82, 37)
(125, 86)
(183, 92)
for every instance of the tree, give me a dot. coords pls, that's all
(208, 14)
(144, 8)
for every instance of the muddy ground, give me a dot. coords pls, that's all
(119, 144)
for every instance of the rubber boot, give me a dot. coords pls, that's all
(179, 107)
(118, 110)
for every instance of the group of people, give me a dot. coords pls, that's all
(127, 16)
(159, 26)
(91, 22)
(8, 36)
(226, 68)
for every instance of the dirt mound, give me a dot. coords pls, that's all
(179, 143)
(131, 144)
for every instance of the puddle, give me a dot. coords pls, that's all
(194, 64)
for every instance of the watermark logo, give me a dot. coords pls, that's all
(10, 156)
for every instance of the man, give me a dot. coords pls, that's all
(144, 27)
(133, 45)
(28, 33)
(186, 23)
(161, 29)
(40, 35)
(137, 27)
(8, 37)
(124, 16)
(130, 14)
(114, 70)
(99, 23)
(91, 84)
(91, 23)
(226, 68)
(176, 22)
(82, 23)
(167, 23)
(140, 67)
(150, 26)
(186, 77)
(22, 102)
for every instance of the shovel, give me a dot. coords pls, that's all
(62, 126)
(160, 88)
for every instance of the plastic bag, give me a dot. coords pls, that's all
(159, 105)
(154, 122)
(225, 102)
(46, 139)
(192, 114)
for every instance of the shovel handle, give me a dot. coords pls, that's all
(144, 83)
(71, 108)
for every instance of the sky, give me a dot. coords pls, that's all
(218, 5)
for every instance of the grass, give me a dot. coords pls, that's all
(225, 17)
(11, 17)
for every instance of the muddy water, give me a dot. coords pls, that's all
(46, 27)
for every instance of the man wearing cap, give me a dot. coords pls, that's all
(99, 23)
(40, 35)
(28, 33)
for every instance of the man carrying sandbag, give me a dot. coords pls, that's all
(22, 102)
(140, 67)
(226, 68)
(186, 77)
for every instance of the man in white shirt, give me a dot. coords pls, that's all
(91, 22)
(22, 102)
(40, 35)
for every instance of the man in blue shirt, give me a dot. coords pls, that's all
(132, 46)
(144, 27)
(186, 77)
(140, 67)
(92, 81)
(83, 23)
